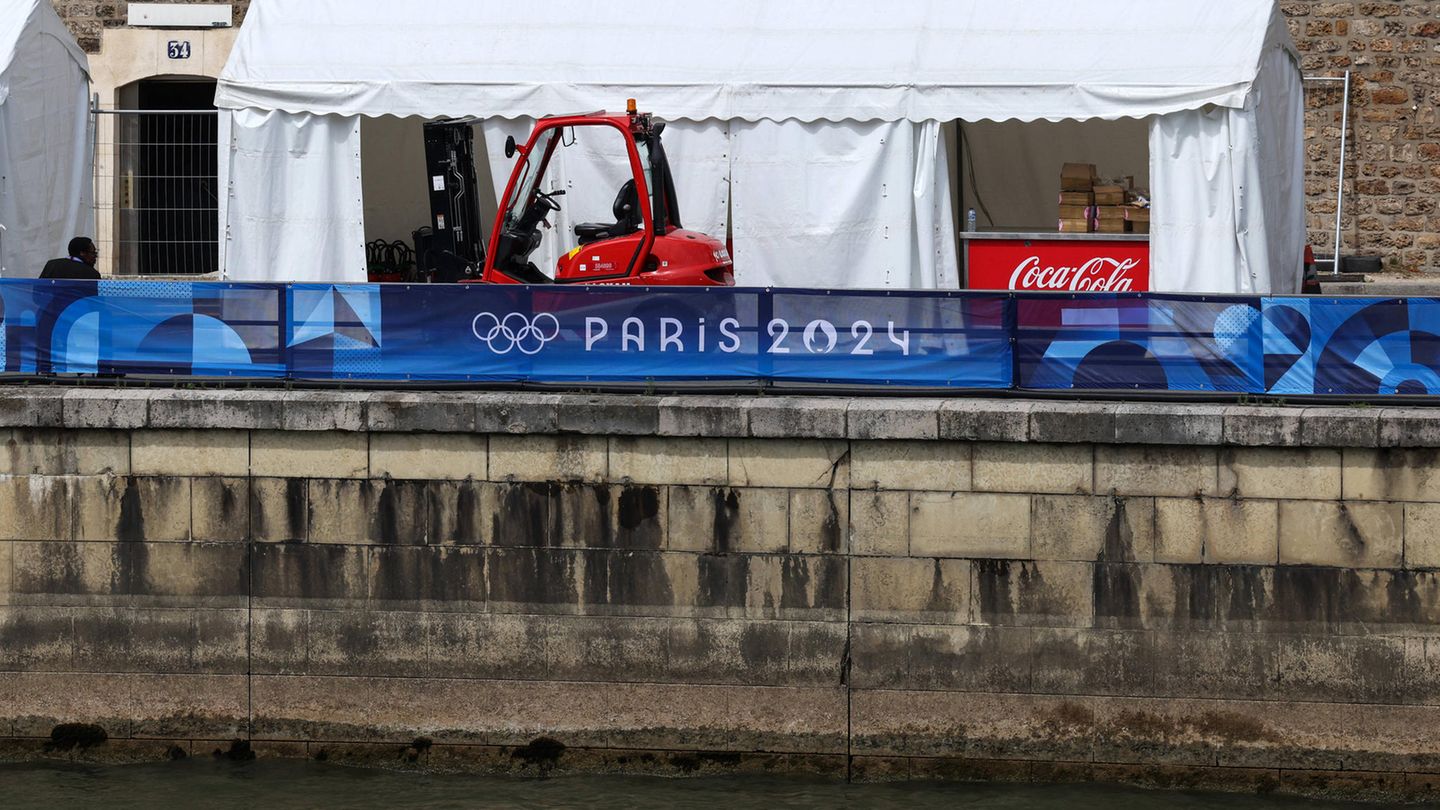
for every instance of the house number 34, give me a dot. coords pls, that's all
(178, 49)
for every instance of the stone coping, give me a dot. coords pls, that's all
(962, 419)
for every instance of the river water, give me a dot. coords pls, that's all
(277, 784)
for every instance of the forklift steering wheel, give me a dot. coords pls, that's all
(549, 199)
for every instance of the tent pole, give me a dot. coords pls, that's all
(1340, 183)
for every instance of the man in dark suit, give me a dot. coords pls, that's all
(80, 264)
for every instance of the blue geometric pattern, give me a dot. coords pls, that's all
(1290, 346)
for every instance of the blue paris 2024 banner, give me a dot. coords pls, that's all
(1292, 346)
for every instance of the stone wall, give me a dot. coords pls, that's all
(1392, 171)
(1229, 597)
(88, 19)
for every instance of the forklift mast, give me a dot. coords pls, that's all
(455, 248)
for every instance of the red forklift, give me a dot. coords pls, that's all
(645, 244)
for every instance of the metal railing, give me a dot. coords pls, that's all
(156, 195)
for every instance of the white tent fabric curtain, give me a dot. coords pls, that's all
(1227, 192)
(294, 210)
(853, 205)
(46, 158)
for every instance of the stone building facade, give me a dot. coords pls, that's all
(1392, 187)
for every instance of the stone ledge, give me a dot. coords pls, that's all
(723, 416)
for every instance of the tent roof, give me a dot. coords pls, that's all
(22, 18)
(751, 59)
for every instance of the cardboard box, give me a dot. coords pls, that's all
(1109, 195)
(1108, 212)
(1077, 198)
(1076, 226)
(1077, 211)
(1140, 227)
(1137, 214)
(1111, 226)
(1077, 177)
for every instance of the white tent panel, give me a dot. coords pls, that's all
(295, 211)
(45, 153)
(748, 60)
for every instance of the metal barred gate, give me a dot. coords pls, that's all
(156, 194)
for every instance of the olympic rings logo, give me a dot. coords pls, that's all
(515, 331)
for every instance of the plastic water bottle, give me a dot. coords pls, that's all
(970, 220)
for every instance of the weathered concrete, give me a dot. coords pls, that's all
(1217, 596)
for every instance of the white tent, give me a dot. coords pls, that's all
(822, 115)
(45, 152)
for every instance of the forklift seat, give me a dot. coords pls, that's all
(626, 209)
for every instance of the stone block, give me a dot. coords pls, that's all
(724, 651)
(371, 643)
(278, 510)
(1083, 527)
(135, 640)
(1422, 535)
(1409, 427)
(452, 456)
(609, 415)
(535, 580)
(909, 590)
(347, 511)
(1340, 427)
(32, 407)
(1351, 534)
(713, 417)
(309, 454)
(155, 509)
(467, 645)
(612, 517)
(35, 508)
(947, 524)
(220, 509)
(798, 417)
(1161, 423)
(1076, 661)
(460, 512)
(306, 411)
(914, 465)
(519, 513)
(1340, 669)
(179, 409)
(879, 523)
(810, 588)
(973, 658)
(131, 573)
(652, 460)
(105, 408)
(37, 451)
(1234, 665)
(895, 418)
(636, 582)
(800, 463)
(1280, 472)
(39, 638)
(190, 452)
(1255, 426)
(1053, 468)
(722, 520)
(1214, 530)
(5, 562)
(598, 648)
(818, 521)
(547, 458)
(1041, 593)
(985, 420)
(278, 643)
(428, 412)
(1392, 474)
(1156, 470)
(315, 577)
(1072, 422)
(516, 412)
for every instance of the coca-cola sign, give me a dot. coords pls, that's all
(1058, 265)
